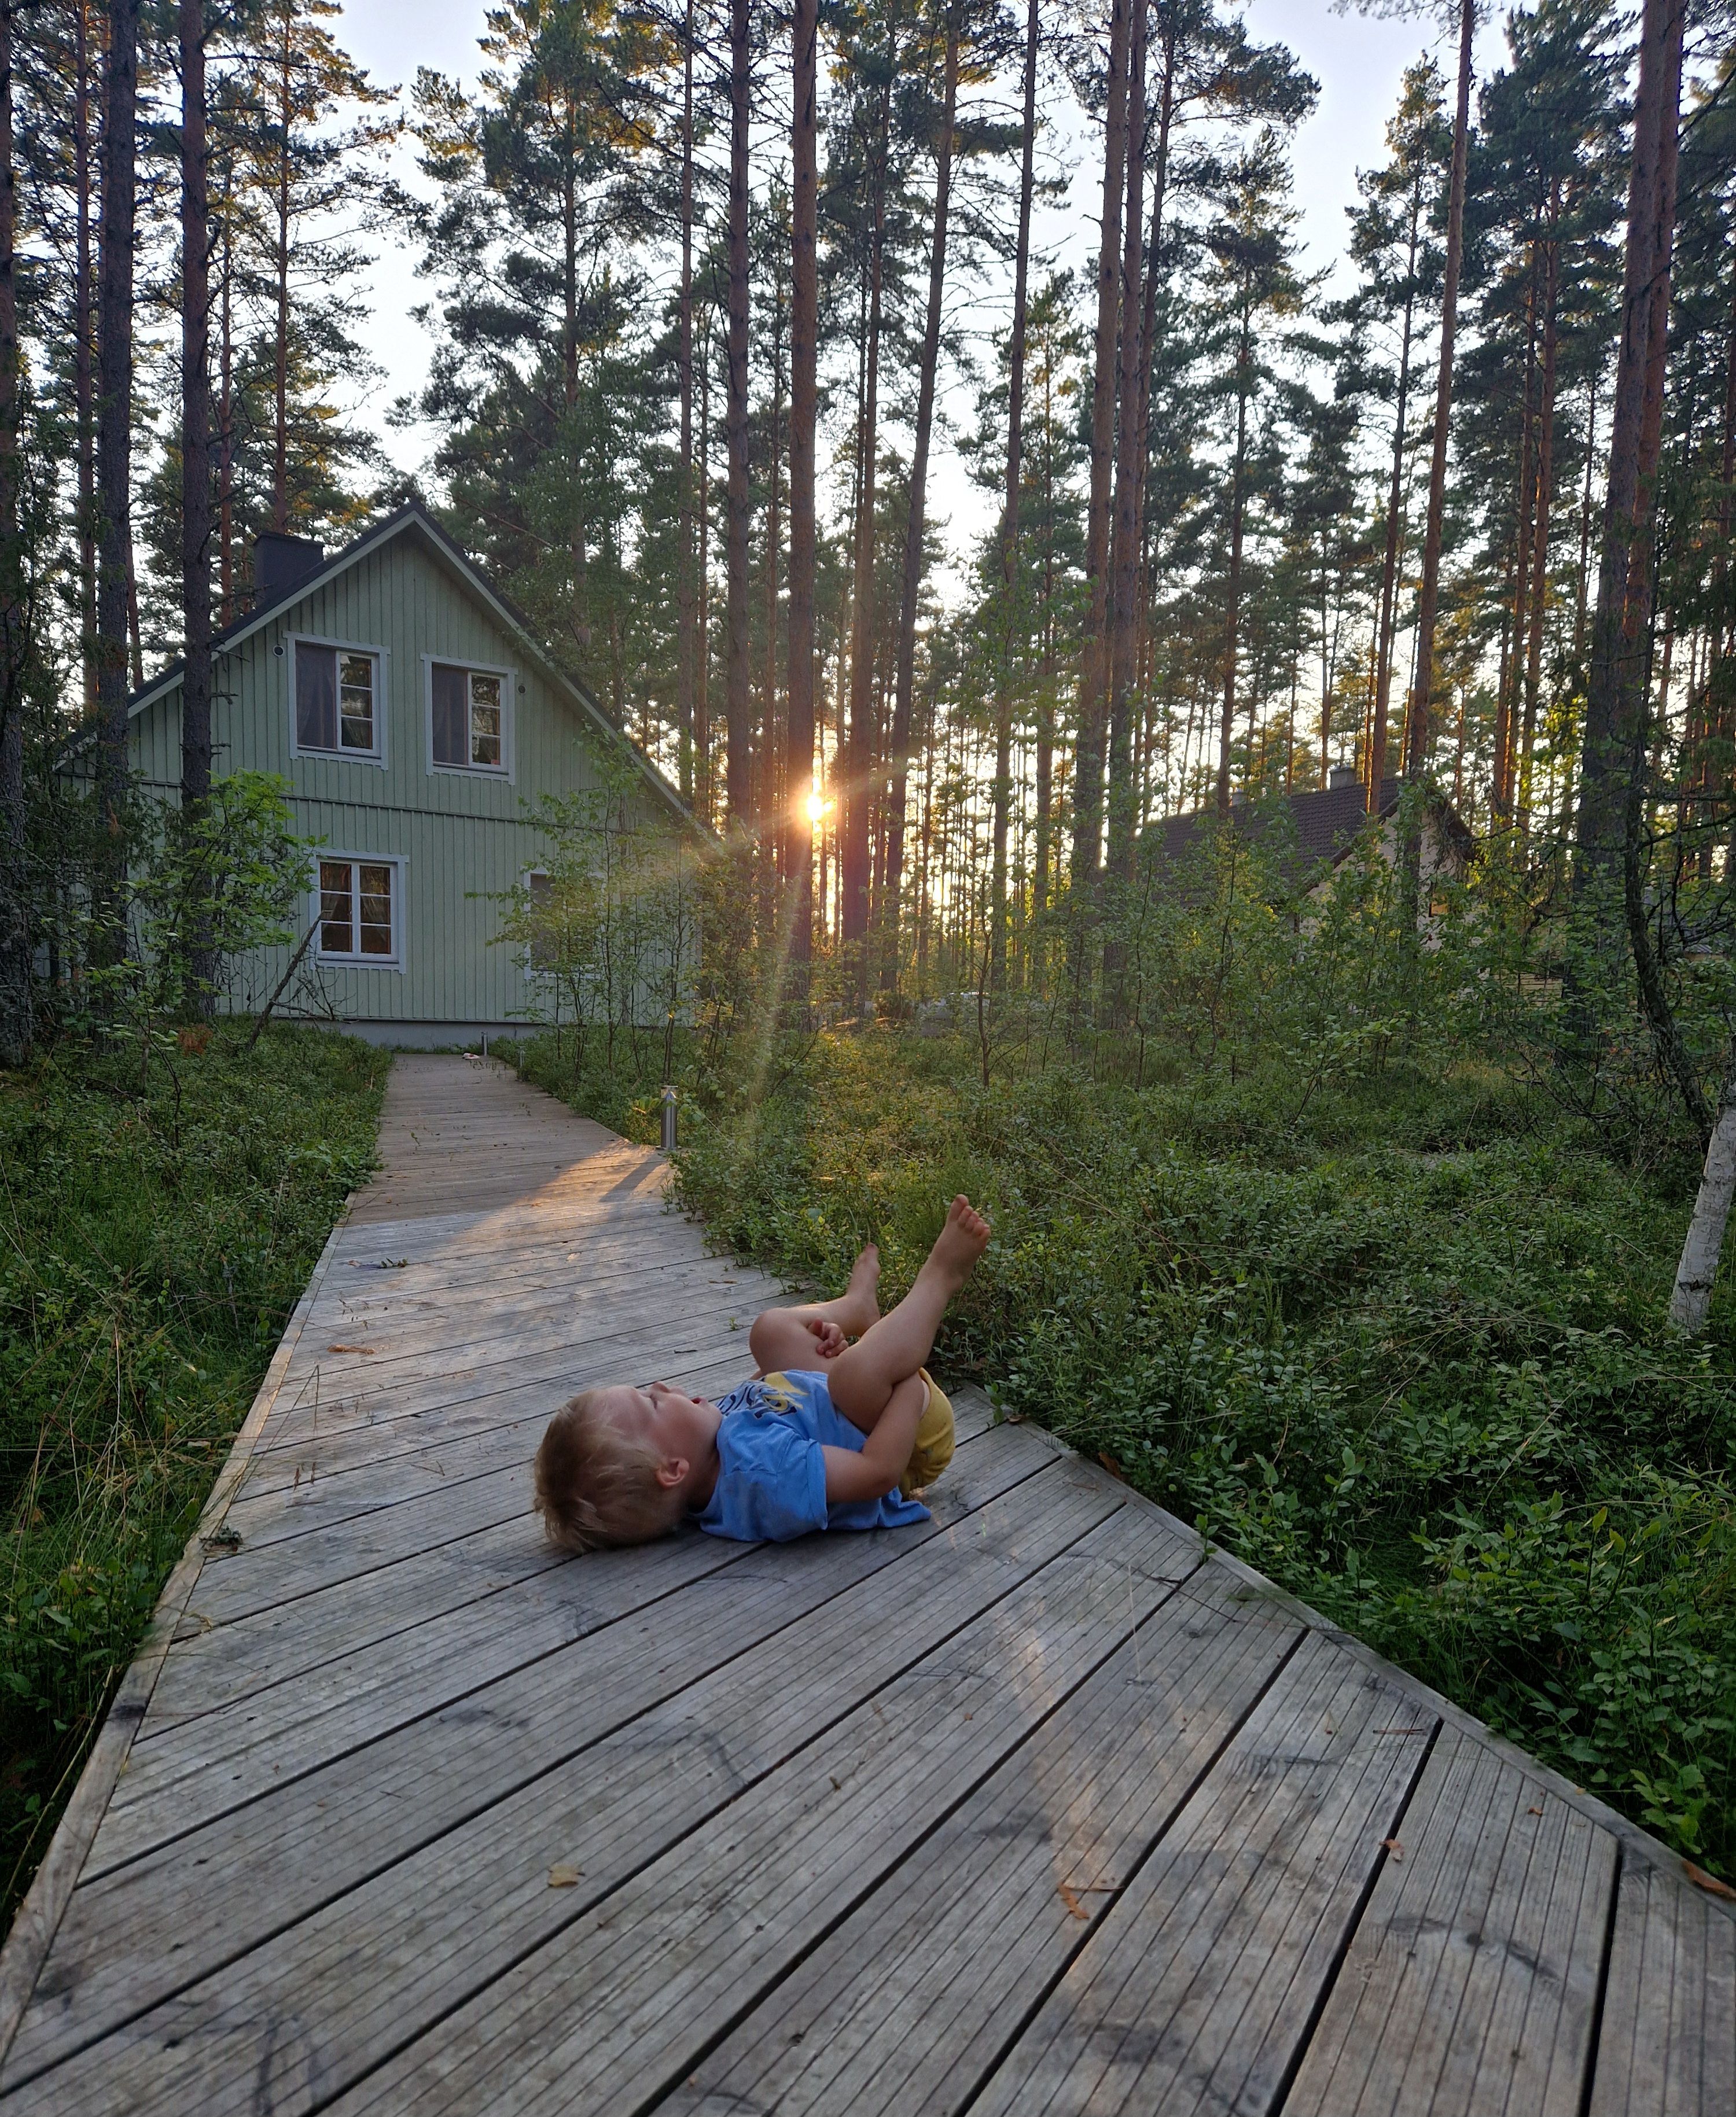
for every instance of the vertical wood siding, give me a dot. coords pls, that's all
(466, 839)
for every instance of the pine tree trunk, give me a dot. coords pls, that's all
(16, 1026)
(738, 707)
(280, 334)
(1540, 528)
(702, 677)
(685, 598)
(226, 435)
(83, 339)
(1130, 360)
(915, 517)
(768, 804)
(1620, 663)
(1233, 587)
(195, 486)
(1419, 735)
(115, 459)
(1674, 1054)
(1002, 791)
(1148, 337)
(1388, 625)
(1087, 771)
(854, 854)
(804, 411)
(1507, 690)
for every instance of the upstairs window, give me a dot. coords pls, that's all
(469, 710)
(339, 705)
(361, 911)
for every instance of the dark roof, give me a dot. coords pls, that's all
(414, 516)
(1321, 826)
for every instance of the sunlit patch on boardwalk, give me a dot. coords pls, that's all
(1033, 1808)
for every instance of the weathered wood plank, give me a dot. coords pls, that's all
(213, 1667)
(421, 1839)
(671, 1344)
(821, 1829)
(1668, 2046)
(1196, 1990)
(477, 1345)
(1472, 1983)
(497, 1284)
(329, 1492)
(907, 2004)
(395, 1326)
(214, 1763)
(321, 1409)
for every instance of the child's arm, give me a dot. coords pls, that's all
(872, 1472)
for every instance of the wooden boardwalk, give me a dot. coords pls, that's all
(1031, 1810)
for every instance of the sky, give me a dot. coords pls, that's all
(1357, 59)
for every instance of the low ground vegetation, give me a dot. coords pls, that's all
(162, 1208)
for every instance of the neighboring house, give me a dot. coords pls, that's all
(1320, 829)
(417, 722)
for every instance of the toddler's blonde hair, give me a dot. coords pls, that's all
(596, 1483)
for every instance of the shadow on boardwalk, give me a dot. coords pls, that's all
(1033, 1808)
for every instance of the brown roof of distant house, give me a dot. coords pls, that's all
(1325, 822)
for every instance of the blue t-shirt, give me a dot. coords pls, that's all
(771, 1474)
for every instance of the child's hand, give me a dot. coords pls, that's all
(832, 1340)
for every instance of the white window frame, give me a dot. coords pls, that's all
(382, 678)
(507, 768)
(400, 864)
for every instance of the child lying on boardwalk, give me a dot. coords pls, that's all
(828, 1434)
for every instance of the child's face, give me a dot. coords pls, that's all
(682, 1429)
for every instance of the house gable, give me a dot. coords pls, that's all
(425, 838)
(403, 591)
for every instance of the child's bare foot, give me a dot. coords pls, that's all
(860, 1306)
(960, 1243)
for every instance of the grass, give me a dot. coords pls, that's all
(153, 1239)
(1404, 1350)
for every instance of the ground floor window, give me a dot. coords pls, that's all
(361, 911)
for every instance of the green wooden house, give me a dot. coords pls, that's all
(417, 722)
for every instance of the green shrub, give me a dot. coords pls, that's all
(157, 1237)
(1404, 1351)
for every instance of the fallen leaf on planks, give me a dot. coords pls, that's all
(564, 1877)
(1699, 1877)
(1069, 1898)
(1393, 1846)
(368, 1350)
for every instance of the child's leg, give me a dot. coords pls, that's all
(863, 1377)
(781, 1339)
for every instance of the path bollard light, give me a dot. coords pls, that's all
(669, 1120)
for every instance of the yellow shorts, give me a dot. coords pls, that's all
(935, 1440)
